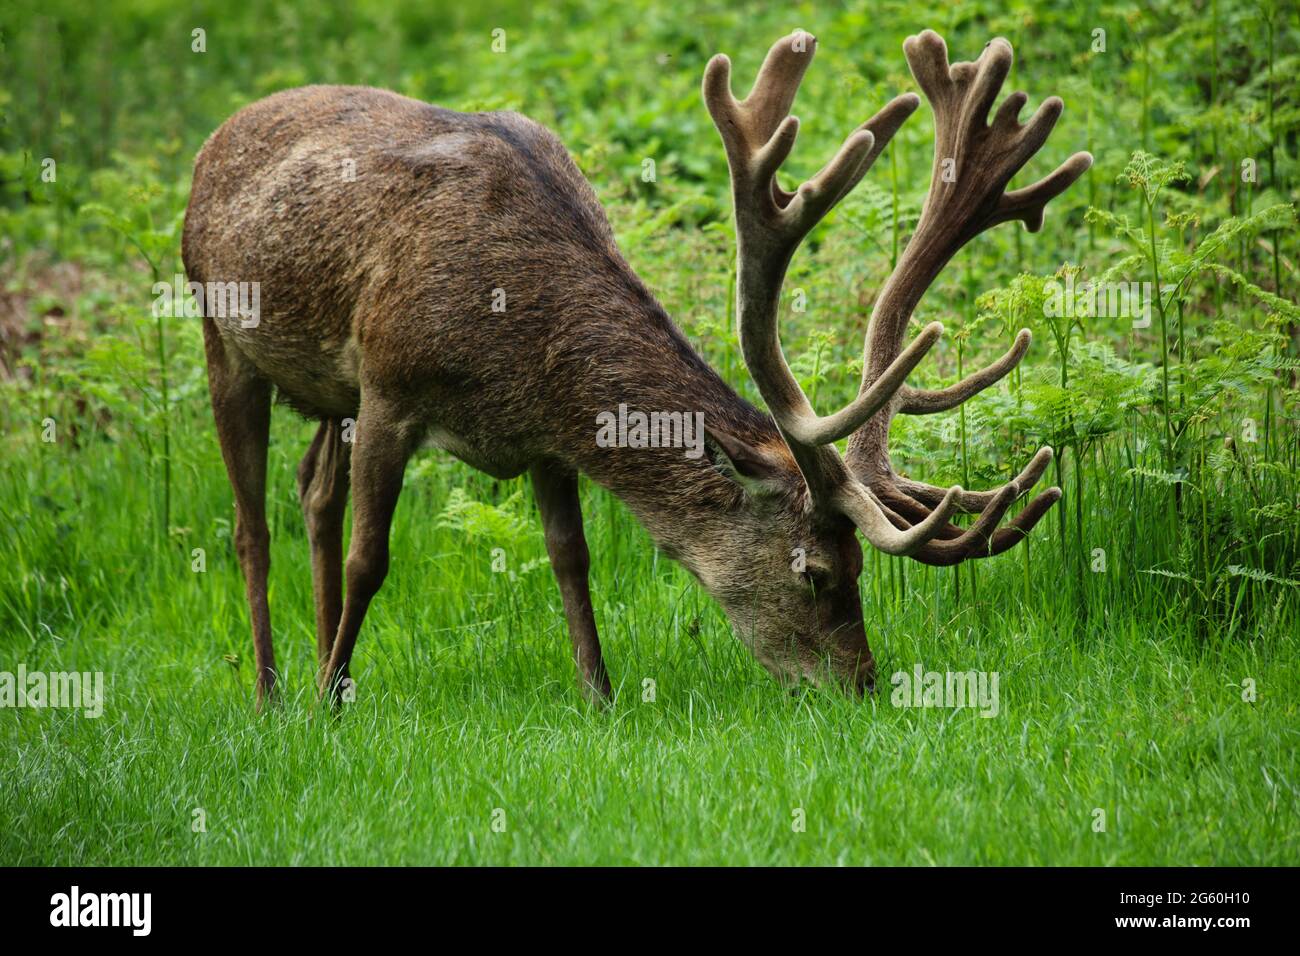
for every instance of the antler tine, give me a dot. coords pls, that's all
(973, 541)
(923, 401)
(931, 533)
(1028, 204)
(758, 134)
(945, 549)
(861, 506)
(974, 160)
(972, 501)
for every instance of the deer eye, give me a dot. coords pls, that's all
(818, 577)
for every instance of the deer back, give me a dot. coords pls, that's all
(458, 260)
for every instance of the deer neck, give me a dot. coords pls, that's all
(641, 411)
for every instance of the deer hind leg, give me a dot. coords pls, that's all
(382, 442)
(241, 405)
(556, 490)
(323, 492)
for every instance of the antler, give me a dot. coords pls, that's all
(897, 516)
(758, 134)
(973, 162)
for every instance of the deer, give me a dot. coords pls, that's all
(381, 230)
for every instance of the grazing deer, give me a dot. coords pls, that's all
(382, 231)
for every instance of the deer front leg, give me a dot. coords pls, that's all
(556, 489)
(382, 443)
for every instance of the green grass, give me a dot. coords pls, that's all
(466, 704)
(1160, 690)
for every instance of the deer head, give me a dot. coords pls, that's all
(805, 495)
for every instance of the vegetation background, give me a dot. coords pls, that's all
(1146, 639)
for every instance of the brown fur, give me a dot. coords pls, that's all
(377, 305)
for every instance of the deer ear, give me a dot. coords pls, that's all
(755, 469)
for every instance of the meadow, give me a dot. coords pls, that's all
(1146, 639)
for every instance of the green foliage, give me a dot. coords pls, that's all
(1176, 432)
(505, 522)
